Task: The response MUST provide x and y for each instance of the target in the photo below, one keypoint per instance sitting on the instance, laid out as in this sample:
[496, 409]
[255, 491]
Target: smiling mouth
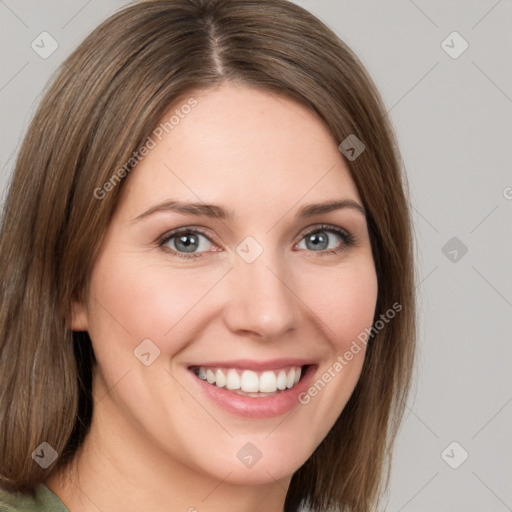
[251, 383]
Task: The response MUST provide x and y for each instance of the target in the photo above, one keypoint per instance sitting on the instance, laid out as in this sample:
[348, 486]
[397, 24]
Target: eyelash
[348, 240]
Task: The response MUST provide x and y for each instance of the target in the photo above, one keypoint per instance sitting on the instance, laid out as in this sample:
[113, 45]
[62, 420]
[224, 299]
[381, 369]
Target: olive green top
[43, 501]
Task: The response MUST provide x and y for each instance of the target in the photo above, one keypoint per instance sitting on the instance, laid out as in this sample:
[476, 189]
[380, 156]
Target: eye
[326, 240]
[186, 243]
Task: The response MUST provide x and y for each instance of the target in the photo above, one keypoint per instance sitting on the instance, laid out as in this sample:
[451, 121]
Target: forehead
[242, 147]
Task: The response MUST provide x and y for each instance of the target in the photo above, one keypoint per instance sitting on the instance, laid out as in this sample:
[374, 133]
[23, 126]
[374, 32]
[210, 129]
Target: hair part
[106, 99]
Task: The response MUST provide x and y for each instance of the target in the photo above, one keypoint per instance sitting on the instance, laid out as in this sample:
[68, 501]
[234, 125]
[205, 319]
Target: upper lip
[251, 364]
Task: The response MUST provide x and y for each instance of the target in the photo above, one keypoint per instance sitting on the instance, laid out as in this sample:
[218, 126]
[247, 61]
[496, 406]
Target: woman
[207, 277]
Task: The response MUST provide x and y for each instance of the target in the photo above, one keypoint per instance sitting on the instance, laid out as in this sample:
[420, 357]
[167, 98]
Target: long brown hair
[105, 101]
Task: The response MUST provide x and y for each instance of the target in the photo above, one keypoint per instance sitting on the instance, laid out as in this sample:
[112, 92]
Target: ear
[79, 318]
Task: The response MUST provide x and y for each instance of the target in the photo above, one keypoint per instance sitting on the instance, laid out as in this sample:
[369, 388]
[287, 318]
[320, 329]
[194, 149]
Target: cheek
[344, 299]
[132, 302]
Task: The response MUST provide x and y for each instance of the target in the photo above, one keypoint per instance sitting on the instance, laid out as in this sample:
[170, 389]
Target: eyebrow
[218, 212]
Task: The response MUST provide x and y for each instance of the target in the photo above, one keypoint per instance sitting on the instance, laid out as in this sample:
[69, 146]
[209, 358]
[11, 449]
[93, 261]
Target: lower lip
[257, 407]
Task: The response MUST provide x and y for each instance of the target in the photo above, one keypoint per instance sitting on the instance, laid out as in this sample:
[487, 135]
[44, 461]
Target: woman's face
[235, 292]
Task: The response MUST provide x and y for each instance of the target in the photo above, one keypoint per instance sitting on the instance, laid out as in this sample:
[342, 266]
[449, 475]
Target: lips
[247, 374]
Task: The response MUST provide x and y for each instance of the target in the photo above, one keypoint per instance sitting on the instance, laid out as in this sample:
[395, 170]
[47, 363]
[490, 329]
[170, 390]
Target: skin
[156, 442]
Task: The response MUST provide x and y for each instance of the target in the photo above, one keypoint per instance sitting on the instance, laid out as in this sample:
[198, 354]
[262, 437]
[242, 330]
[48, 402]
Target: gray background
[454, 124]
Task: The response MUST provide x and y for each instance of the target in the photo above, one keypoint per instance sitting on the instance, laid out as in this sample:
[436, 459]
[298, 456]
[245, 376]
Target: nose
[260, 300]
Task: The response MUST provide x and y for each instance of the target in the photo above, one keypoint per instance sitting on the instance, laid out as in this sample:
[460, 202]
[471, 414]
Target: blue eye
[326, 240]
[186, 242]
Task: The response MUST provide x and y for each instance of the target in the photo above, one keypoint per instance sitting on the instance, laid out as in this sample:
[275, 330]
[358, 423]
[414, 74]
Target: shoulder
[42, 501]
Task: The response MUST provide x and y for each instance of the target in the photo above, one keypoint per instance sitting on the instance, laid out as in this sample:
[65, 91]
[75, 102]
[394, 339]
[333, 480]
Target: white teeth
[281, 380]
[268, 382]
[233, 380]
[291, 378]
[220, 379]
[249, 381]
